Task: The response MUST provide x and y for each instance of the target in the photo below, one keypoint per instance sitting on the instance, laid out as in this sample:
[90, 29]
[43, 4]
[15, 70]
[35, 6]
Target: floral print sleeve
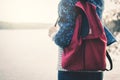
[67, 14]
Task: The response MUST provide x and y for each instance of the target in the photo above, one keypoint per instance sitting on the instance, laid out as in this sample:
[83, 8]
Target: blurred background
[26, 51]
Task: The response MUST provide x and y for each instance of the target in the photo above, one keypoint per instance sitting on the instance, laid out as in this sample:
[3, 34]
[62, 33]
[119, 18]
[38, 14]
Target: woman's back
[67, 14]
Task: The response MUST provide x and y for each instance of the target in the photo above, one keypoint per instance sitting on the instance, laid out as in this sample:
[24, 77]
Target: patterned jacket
[67, 14]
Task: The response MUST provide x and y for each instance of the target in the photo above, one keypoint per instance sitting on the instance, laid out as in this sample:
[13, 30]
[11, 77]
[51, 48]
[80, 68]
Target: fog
[44, 11]
[27, 55]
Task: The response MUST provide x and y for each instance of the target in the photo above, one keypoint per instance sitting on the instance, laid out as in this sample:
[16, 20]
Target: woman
[67, 14]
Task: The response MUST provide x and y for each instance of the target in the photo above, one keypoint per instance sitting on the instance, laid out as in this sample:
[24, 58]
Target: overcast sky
[44, 11]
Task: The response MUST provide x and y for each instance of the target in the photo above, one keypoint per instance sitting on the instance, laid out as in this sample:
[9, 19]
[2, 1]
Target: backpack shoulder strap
[110, 61]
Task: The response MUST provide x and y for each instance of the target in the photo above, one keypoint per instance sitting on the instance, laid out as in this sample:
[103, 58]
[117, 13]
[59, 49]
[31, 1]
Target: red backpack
[87, 53]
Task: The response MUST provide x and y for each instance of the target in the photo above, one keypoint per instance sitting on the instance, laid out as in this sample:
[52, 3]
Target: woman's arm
[67, 14]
